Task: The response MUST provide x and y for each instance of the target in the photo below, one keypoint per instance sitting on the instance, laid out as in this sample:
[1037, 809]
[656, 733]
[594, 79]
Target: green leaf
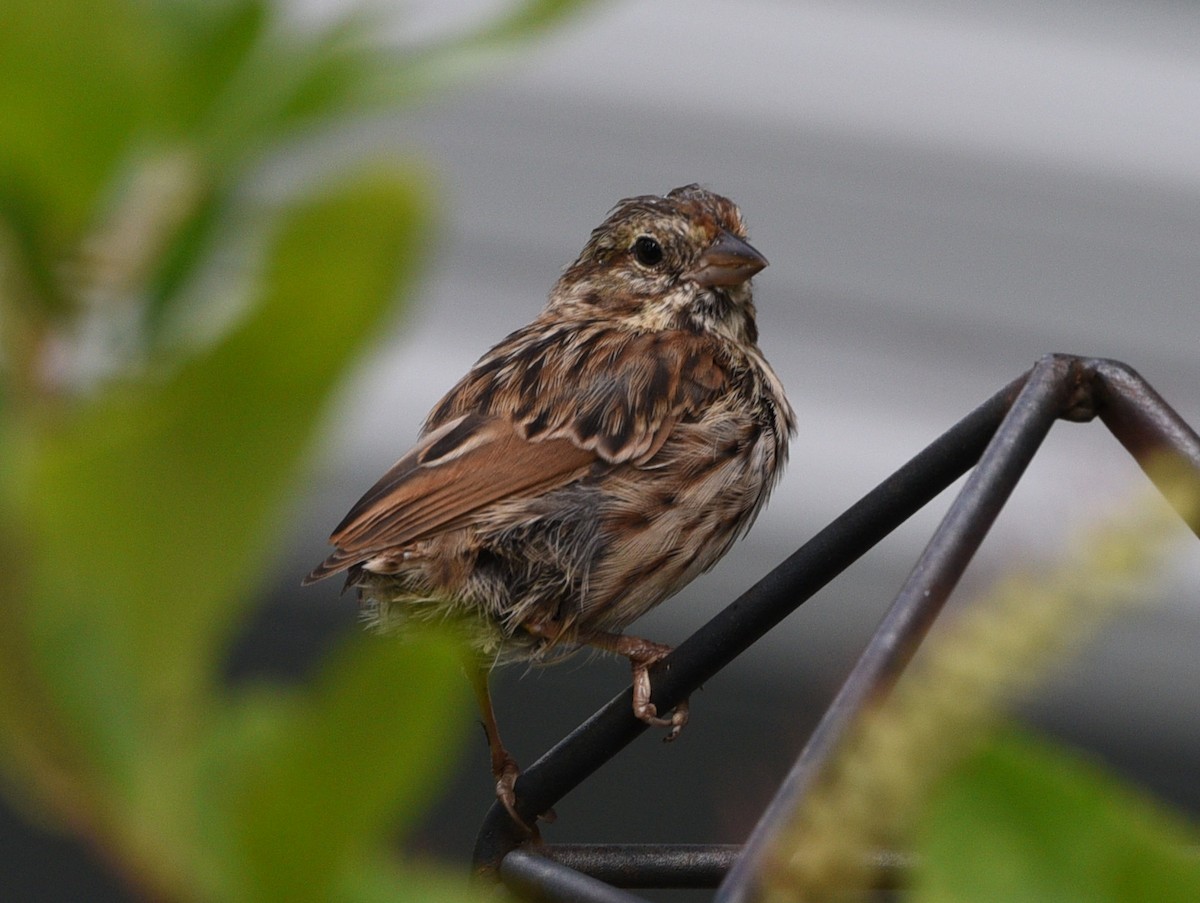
[153, 510]
[77, 79]
[312, 798]
[289, 79]
[211, 41]
[529, 17]
[1026, 821]
[380, 879]
[433, 65]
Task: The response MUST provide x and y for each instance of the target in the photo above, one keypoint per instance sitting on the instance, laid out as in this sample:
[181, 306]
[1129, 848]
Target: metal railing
[998, 439]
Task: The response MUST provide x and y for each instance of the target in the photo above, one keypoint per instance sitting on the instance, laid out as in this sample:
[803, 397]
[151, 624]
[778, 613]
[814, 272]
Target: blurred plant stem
[168, 342]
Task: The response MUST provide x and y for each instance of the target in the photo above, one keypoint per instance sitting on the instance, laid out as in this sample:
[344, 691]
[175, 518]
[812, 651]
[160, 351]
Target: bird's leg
[504, 767]
[641, 654]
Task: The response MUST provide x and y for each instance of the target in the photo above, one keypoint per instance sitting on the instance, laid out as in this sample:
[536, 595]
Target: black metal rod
[536, 878]
[744, 621]
[918, 603]
[1145, 424]
[683, 866]
[655, 865]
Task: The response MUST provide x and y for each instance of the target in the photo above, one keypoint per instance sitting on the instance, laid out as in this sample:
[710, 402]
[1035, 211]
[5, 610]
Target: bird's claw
[645, 710]
[506, 782]
[679, 717]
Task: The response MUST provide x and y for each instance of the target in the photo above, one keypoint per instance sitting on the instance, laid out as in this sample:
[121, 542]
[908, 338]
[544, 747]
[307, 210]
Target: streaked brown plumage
[593, 462]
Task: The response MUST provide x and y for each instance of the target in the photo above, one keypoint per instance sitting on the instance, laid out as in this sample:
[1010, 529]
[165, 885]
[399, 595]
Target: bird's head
[678, 261]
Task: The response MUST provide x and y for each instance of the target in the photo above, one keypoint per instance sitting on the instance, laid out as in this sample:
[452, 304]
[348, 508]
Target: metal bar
[536, 878]
[647, 864]
[745, 620]
[681, 866]
[1145, 424]
[918, 603]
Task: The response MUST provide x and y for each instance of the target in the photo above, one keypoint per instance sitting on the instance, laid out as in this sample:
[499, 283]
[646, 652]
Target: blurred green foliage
[1023, 821]
[169, 335]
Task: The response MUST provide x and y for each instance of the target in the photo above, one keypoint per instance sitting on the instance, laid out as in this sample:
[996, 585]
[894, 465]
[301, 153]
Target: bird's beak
[728, 261]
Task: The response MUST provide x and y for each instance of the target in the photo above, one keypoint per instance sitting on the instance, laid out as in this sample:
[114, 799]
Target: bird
[590, 464]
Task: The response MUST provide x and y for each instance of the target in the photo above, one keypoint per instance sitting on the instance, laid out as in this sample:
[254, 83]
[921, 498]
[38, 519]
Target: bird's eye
[647, 251]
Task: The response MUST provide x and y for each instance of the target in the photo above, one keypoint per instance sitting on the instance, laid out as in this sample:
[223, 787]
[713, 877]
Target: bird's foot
[642, 654]
[506, 782]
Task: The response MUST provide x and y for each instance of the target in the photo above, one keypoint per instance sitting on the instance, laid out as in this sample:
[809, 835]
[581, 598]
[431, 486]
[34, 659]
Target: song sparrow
[589, 465]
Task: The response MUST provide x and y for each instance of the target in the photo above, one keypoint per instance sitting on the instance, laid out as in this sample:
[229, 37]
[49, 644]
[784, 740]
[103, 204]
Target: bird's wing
[614, 392]
[467, 464]
[499, 434]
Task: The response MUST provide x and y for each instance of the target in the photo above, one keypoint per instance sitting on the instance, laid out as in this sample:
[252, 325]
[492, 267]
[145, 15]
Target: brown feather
[425, 494]
[622, 403]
